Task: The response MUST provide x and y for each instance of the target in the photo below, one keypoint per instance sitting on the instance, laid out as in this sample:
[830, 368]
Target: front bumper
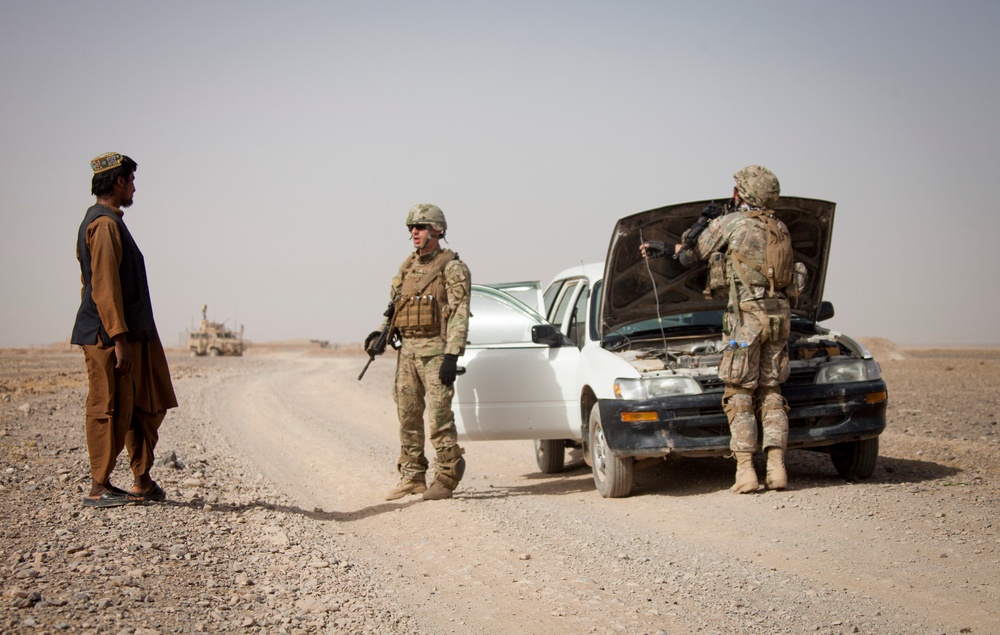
[695, 425]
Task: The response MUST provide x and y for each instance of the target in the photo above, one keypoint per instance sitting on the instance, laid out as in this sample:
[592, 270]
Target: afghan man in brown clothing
[130, 389]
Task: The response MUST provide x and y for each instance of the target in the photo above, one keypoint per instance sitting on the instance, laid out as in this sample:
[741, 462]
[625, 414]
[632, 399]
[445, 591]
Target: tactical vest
[422, 308]
[134, 287]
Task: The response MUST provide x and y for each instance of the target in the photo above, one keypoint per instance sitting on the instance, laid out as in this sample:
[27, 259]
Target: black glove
[653, 248]
[449, 369]
[371, 340]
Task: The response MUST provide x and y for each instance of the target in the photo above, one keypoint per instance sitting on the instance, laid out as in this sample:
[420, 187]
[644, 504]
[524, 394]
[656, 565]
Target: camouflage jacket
[457, 281]
[734, 230]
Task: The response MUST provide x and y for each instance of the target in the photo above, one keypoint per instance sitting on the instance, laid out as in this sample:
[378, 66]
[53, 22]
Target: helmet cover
[758, 186]
[427, 214]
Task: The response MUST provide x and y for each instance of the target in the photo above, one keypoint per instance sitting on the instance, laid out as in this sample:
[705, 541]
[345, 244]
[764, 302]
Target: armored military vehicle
[214, 338]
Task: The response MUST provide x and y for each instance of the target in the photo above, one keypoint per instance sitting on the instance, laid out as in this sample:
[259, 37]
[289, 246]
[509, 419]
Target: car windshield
[680, 323]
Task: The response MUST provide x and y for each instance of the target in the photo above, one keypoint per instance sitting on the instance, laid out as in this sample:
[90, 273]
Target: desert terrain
[275, 465]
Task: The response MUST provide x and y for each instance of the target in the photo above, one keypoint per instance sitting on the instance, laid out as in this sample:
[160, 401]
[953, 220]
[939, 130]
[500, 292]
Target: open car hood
[630, 280]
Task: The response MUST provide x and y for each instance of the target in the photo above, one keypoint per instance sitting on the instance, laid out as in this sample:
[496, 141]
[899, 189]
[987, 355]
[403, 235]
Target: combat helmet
[427, 214]
[758, 186]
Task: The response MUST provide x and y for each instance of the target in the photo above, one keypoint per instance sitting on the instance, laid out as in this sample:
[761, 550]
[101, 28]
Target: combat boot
[438, 491]
[407, 486]
[777, 477]
[746, 476]
[449, 467]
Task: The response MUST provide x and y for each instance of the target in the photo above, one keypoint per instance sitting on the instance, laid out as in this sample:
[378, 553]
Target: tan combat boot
[777, 477]
[438, 491]
[449, 466]
[746, 476]
[407, 486]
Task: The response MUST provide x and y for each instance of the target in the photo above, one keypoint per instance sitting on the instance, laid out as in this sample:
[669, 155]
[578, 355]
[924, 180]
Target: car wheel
[855, 459]
[612, 475]
[214, 352]
[550, 454]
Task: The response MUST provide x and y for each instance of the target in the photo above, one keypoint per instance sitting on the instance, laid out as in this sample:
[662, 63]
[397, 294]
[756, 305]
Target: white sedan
[621, 359]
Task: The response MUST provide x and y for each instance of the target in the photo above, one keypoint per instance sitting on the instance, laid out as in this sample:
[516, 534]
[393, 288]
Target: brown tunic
[122, 411]
[150, 373]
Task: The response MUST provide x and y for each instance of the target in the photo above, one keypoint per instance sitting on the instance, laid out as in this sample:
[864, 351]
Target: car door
[512, 387]
[569, 310]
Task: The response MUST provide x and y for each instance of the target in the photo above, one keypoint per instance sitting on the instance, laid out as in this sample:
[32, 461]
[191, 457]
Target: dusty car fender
[599, 369]
[595, 379]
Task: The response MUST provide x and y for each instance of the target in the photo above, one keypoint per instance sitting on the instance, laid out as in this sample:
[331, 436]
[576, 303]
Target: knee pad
[773, 401]
[774, 420]
[736, 403]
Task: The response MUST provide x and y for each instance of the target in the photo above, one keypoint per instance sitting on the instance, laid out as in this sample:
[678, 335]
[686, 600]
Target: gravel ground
[252, 541]
[226, 553]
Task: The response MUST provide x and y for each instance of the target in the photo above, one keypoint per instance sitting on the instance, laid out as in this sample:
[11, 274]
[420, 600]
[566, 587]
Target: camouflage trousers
[753, 370]
[417, 388]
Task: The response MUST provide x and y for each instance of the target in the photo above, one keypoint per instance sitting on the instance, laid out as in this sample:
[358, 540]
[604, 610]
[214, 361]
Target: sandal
[154, 494]
[109, 498]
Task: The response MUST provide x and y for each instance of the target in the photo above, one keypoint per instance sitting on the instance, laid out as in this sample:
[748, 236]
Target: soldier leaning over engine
[760, 277]
[430, 296]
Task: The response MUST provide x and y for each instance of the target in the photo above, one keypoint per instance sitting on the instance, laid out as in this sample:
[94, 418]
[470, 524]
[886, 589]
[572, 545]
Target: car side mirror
[825, 311]
[549, 335]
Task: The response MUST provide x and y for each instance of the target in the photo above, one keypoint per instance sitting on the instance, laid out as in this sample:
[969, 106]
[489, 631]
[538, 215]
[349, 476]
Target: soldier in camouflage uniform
[757, 322]
[431, 298]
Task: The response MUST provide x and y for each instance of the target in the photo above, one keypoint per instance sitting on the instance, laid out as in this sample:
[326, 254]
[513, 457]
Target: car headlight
[652, 387]
[850, 370]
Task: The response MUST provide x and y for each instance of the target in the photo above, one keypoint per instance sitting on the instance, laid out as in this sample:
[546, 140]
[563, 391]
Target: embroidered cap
[105, 162]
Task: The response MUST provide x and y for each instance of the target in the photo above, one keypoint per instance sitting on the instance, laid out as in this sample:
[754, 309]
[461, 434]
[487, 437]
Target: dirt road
[914, 550]
[517, 551]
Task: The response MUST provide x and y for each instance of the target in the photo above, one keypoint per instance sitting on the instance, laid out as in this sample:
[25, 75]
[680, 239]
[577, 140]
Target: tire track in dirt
[517, 551]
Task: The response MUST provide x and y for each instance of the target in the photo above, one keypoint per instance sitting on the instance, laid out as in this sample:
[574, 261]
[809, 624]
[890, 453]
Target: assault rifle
[657, 248]
[712, 211]
[386, 336]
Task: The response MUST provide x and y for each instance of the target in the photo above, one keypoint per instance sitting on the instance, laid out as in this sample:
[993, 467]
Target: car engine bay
[695, 356]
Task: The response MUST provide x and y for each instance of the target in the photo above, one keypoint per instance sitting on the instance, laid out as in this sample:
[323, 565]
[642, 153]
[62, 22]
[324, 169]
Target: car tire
[550, 455]
[214, 352]
[855, 459]
[612, 475]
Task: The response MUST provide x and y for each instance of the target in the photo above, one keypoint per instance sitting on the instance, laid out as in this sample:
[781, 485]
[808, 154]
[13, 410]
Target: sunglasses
[419, 228]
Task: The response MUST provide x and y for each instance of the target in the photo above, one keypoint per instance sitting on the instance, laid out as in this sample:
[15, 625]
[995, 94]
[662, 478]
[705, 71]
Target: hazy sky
[281, 144]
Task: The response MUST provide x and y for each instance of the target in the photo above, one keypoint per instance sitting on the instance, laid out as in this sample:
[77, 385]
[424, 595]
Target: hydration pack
[778, 269]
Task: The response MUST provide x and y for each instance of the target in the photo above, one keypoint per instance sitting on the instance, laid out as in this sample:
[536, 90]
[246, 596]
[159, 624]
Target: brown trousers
[113, 420]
